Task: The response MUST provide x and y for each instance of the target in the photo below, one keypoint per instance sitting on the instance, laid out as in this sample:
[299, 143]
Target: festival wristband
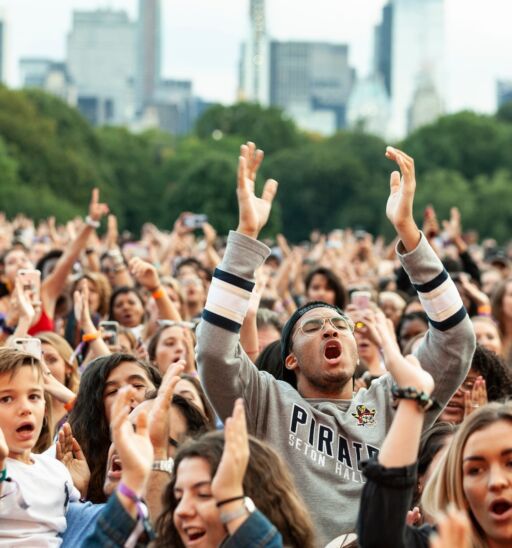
[3, 475]
[142, 516]
[484, 310]
[89, 221]
[227, 501]
[88, 337]
[158, 293]
[70, 405]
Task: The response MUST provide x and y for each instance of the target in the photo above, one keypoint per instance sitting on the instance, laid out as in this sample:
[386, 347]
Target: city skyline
[198, 30]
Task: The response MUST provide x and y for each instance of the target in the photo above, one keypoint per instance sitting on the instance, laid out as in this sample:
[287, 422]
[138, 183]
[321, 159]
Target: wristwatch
[247, 507]
[164, 465]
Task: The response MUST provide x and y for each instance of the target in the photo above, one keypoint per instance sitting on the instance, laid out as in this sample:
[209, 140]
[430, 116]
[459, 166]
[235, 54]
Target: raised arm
[53, 284]
[226, 371]
[387, 494]
[448, 346]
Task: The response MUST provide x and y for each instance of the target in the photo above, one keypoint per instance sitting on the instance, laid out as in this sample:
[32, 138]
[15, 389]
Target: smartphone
[109, 331]
[136, 250]
[195, 220]
[361, 299]
[31, 282]
[28, 345]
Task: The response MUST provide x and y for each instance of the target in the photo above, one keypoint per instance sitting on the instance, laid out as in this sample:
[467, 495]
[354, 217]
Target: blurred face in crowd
[128, 309]
[196, 517]
[188, 391]
[487, 334]
[21, 409]
[55, 362]
[172, 346]
[319, 290]
[410, 329]
[16, 260]
[392, 308]
[267, 334]
[490, 279]
[193, 288]
[366, 349]
[454, 411]
[126, 374]
[107, 267]
[173, 295]
[323, 360]
[37, 251]
[487, 480]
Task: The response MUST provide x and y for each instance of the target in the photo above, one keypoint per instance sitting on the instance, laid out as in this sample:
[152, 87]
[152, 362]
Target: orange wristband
[484, 310]
[70, 404]
[158, 293]
[88, 337]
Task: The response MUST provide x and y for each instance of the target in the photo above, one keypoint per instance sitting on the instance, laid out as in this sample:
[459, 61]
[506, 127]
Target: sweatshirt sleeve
[226, 371]
[447, 349]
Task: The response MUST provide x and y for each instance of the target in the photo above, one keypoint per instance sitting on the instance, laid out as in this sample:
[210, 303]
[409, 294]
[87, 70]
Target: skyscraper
[503, 91]
[101, 62]
[149, 52]
[383, 47]
[311, 81]
[417, 53]
[254, 66]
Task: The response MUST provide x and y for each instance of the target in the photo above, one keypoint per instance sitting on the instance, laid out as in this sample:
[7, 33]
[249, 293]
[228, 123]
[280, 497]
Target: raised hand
[454, 529]
[96, 209]
[229, 478]
[399, 208]
[253, 211]
[69, 452]
[406, 371]
[81, 308]
[134, 448]
[159, 421]
[476, 398]
[145, 273]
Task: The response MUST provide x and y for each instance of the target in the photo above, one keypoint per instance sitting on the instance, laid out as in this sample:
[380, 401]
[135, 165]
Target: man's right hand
[253, 211]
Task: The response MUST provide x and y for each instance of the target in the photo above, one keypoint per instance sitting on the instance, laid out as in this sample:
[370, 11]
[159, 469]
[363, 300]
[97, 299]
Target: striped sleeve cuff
[228, 300]
[441, 301]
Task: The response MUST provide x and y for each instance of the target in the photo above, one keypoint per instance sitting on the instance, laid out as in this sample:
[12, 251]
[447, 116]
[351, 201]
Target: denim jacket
[114, 526]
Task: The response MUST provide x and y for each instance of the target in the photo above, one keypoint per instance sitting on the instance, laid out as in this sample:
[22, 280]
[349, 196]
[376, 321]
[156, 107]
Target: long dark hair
[333, 282]
[88, 421]
[279, 501]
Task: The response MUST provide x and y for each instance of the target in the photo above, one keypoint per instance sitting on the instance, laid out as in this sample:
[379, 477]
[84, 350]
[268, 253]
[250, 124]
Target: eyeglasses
[313, 325]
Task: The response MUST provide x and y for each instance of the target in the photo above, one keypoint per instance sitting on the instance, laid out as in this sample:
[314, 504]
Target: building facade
[101, 62]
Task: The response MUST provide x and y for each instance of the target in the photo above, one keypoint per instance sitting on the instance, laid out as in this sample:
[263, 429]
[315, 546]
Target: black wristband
[227, 501]
[424, 401]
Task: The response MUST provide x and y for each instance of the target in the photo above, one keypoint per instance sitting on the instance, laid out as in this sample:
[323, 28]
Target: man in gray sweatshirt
[322, 429]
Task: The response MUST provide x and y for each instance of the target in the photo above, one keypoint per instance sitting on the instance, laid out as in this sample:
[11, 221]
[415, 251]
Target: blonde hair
[12, 359]
[446, 483]
[66, 353]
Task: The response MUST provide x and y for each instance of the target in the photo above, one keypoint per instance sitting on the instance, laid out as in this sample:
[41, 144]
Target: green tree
[269, 128]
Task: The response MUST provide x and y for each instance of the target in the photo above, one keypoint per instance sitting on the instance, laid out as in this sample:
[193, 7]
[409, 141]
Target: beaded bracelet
[424, 401]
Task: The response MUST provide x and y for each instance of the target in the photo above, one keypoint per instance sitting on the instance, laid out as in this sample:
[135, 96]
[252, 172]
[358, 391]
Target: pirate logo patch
[364, 415]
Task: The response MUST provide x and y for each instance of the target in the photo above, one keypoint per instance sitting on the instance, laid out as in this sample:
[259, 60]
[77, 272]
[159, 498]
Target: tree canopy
[51, 157]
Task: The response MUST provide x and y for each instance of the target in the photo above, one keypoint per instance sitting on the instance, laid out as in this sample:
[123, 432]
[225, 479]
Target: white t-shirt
[47, 488]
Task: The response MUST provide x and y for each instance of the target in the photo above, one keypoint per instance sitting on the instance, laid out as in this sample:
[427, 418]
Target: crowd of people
[190, 389]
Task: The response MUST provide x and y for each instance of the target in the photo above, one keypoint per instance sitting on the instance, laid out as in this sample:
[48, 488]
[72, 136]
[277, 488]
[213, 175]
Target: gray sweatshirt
[324, 441]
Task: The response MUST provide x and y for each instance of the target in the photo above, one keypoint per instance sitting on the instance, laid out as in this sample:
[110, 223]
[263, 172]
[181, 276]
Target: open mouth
[25, 431]
[116, 469]
[332, 350]
[194, 534]
[500, 507]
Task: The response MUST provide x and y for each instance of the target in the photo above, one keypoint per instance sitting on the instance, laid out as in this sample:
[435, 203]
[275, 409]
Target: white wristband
[89, 221]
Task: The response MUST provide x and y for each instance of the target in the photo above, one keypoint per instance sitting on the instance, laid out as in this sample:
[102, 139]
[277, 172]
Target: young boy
[34, 489]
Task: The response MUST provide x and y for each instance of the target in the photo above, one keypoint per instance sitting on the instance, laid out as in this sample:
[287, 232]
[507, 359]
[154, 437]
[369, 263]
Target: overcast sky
[202, 38]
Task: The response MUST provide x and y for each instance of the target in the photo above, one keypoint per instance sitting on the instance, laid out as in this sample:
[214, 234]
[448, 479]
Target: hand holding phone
[109, 332]
[31, 284]
[28, 345]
